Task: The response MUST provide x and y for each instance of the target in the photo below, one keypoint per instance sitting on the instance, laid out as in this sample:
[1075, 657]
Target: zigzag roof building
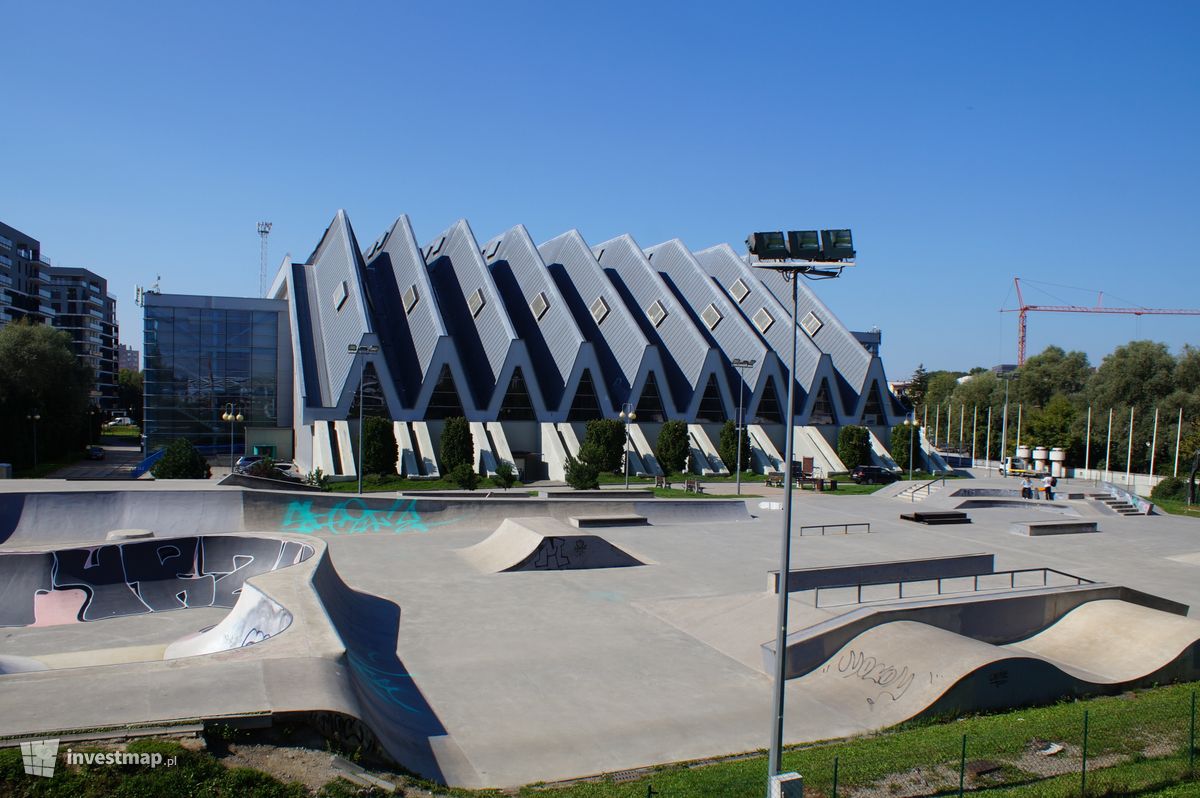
[529, 342]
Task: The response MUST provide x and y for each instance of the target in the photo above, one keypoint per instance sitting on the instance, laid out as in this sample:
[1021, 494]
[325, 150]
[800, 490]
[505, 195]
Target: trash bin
[833, 484]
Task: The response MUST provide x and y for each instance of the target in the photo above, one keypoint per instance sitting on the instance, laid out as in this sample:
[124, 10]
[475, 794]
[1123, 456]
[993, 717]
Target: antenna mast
[264, 230]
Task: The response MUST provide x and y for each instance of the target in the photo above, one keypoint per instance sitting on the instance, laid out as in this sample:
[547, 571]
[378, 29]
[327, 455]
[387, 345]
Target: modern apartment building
[24, 278]
[83, 308]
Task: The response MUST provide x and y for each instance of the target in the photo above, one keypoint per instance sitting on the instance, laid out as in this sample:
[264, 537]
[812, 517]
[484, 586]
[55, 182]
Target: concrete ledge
[596, 494]
[1039, 528]
[884, 572]
[589, 521]
[934, 518]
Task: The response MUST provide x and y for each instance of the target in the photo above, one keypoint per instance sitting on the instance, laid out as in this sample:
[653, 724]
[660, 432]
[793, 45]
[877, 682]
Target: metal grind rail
[941, 588]
[927, 487]
[847, 529]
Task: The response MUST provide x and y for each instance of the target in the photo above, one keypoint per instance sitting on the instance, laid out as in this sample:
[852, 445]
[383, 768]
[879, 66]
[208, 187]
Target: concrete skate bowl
[543, 544]
[901, 670]
[93, 584]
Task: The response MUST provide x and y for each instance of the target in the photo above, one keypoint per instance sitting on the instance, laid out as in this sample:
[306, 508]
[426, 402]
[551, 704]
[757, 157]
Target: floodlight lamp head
[837, 245]
[804, 245]
[767, 246]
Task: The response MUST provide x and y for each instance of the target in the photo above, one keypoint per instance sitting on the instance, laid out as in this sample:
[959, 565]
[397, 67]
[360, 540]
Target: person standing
[1048, 487]
[1026, 488]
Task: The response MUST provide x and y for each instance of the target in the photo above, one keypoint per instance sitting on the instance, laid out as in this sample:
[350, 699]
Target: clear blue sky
[964, 143]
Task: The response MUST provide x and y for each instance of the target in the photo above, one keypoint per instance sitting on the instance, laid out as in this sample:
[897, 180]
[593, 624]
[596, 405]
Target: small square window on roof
[410, 298]
[435, 248]
[656, 313]
[475, 302]
[340, 294]
[763, 320]
[739, 290]
[811, 323]
[599, 310]
[711, 316]
[539, 305]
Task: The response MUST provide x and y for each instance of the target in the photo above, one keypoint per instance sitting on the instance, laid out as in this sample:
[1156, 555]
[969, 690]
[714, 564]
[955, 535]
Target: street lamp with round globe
[627, 416]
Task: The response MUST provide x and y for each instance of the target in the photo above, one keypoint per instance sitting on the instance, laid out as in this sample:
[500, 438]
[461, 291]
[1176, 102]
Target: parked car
[871, 475]
[245, 462]
[95, 453]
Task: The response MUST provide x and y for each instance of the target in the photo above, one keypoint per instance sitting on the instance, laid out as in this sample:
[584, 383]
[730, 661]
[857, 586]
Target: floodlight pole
[775, 756]
[741, 366]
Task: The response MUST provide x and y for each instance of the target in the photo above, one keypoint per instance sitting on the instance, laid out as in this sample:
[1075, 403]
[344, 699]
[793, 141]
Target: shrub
[464, 476]
[379, 446]
[181, 461]
[505, 476]
[854, 446]
[1171, 488]
[317, 478]
[673, 447]
[582, 475]
[728, 447]
[607, 437]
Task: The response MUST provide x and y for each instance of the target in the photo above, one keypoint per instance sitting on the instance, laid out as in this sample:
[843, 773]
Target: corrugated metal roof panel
[640, 286]
[550, 335]
[620, 345]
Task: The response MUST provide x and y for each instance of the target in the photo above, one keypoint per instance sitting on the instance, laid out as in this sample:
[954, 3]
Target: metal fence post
[1192, 738]
[962, 767]
[1083, 770]
[835, 773]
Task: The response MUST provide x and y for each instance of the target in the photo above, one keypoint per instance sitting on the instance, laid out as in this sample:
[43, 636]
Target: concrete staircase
[1119, 506]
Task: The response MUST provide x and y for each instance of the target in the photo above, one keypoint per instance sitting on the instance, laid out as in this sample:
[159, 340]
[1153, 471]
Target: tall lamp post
[741, 366]
[35, 417]
[912, 427]
[627, 415]
[356, 350]
[232, 413]
[792, 256]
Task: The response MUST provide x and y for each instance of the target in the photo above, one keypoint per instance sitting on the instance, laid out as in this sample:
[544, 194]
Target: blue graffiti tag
[389, 686]
[354, 517]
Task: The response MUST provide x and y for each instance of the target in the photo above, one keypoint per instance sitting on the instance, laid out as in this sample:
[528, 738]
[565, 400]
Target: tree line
[1053, 392]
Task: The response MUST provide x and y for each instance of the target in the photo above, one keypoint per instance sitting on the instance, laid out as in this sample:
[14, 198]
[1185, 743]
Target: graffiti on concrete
[354, 517]
[390, 686]
[118, 579]
[894, 682]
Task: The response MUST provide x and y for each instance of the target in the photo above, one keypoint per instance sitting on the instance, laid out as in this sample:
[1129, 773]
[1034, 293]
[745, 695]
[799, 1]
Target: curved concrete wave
[900, 670]
[543, 544]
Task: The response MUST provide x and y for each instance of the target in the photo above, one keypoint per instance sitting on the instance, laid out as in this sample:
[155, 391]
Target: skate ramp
[543, 544]
[900, 670]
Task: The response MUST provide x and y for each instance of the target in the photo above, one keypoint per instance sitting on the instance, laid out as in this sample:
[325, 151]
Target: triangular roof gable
[877, 381]
[586, 361]
[472, 308]
[714, 368]
[537, 309]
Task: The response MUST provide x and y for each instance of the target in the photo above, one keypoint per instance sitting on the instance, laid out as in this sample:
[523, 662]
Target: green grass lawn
[122, 432]
[373, 484]
[1176, 507]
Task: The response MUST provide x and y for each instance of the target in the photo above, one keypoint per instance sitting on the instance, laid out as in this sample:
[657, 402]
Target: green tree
[40, 375]
[1051, 372]
[854, 446]
[673, 446]
[1138, 373]
[900, 448]
[379, 446]
[1053, 425]
[457, 445]
[607, 437]
[727, 447]
[918, 384]
[130, 393]
[181, 461]
[941, 386]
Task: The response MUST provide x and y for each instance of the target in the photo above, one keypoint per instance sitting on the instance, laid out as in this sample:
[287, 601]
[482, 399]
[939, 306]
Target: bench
[1038, 528]
[774, 479]
[662, 482]
[589, 521]
[936, 518]
[692, 486]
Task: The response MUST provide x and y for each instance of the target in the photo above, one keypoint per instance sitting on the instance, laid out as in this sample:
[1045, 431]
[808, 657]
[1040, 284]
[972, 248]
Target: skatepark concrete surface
[492, 670]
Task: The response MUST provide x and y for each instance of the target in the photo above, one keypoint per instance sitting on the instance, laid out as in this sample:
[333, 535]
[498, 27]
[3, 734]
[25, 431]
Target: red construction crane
[1023, 309]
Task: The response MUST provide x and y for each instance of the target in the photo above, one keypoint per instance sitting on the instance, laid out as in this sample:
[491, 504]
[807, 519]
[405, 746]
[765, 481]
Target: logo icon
[39, 757]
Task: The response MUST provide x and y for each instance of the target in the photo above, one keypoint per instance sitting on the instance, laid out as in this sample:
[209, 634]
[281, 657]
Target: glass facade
[198, 361]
